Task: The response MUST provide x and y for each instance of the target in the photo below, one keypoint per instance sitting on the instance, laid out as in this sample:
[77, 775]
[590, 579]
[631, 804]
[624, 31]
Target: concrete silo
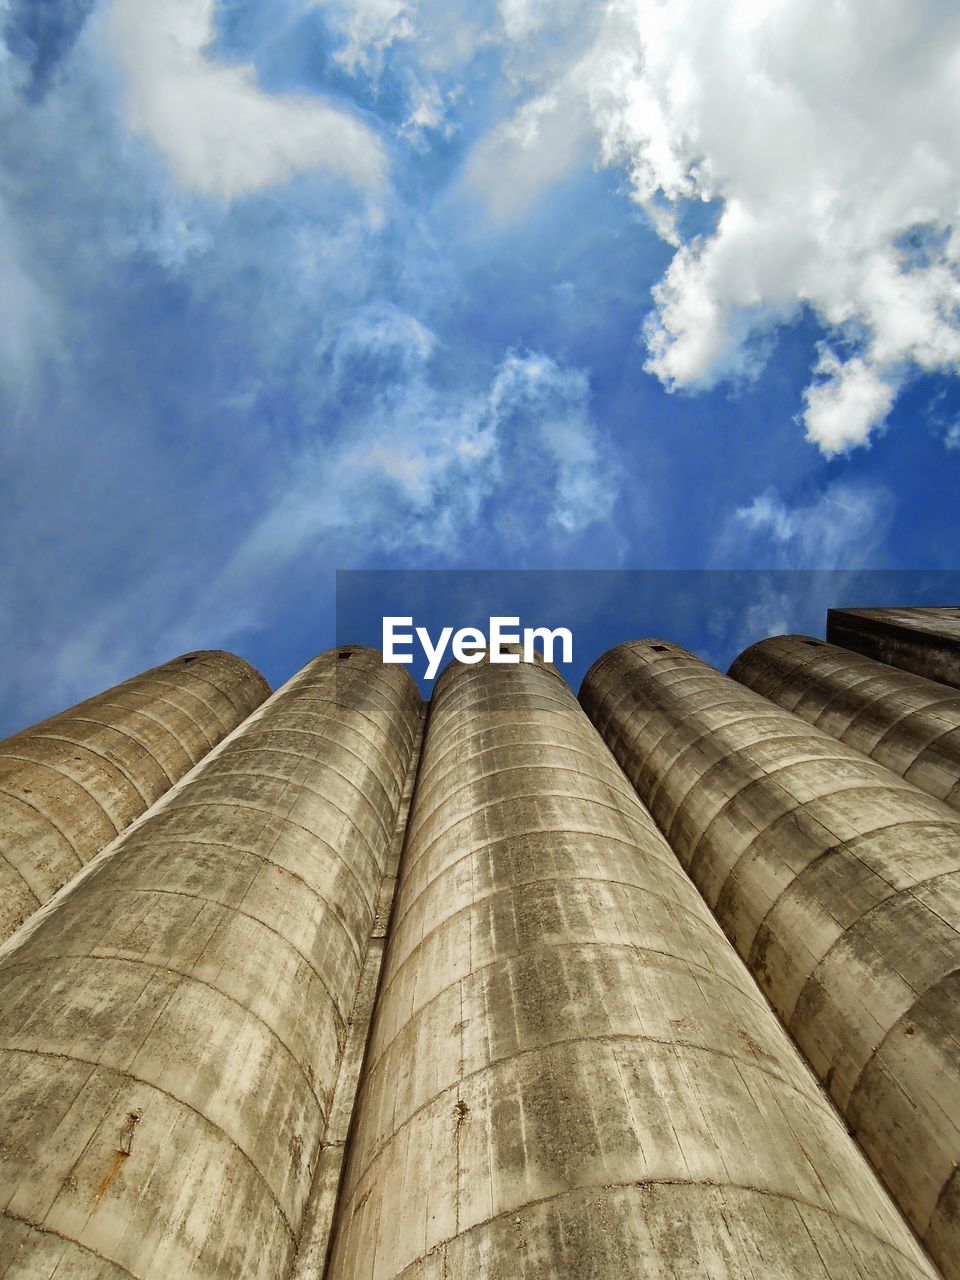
[908, 723]
[571, 1073]
[71, 784]
[924, 640]
[173, 1025]
[839, 884]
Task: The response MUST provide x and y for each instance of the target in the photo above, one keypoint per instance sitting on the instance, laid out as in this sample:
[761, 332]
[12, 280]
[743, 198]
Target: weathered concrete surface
[71, 784]
[925, 641]
[314, 1244]
[903, 721]
[171, 1027]
[571, 1073]
[837, 881]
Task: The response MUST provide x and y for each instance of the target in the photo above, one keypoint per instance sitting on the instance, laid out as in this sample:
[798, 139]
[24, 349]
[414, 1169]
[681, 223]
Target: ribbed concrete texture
[314, 1244]
[836, 880]
[903, 721]
[71, 784]
[172, 1027]
[925, 641]
[571, 1074]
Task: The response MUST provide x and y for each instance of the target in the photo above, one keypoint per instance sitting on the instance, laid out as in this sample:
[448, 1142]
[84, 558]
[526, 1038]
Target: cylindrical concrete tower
[171, 1028]
[910, 724]
[837, 881]
[71, 784]
[571, 1073]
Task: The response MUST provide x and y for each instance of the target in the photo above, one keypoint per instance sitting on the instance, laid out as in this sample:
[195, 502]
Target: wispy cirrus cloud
[843, 525]
[425, 476]
[454, 473]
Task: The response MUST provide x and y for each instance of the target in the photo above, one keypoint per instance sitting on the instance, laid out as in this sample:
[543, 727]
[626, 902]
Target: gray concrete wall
[171, 1027]
[837, 881]
[571, 1073]
[71, 784]
[925, 641]
[903, 721]
[313, 1250]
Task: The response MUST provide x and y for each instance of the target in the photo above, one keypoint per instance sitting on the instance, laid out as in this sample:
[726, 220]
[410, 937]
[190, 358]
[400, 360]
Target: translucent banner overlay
[714, 613]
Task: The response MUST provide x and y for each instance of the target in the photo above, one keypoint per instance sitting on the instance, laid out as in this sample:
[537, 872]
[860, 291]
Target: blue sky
[289, 286]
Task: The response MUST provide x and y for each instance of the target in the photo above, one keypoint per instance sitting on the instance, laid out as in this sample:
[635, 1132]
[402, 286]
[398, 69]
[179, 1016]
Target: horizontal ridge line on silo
[753, 993]
[44, 818]
[16, 870]
[155, 698]
[191, 897]
[907, 1015]
[473, 734]
[196, 678]
[97, 755]
[848, 846]
[198, 675]
[267, 813]
[816, 1094]
[302, 786]
[553, 795]
[248, 853]
[186, 978]
[149, 1084]
[611, 779]
[539, 880]
[894, 783]
[539, 831]
[640, 953]
[61, 773]
[162, 724]
[40, 1229]
[323, 737]
[65, 719]
[652, 1184]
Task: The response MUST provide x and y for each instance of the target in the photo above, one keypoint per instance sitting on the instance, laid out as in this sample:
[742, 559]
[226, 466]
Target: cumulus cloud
[842, 526]
[852, 399]
[827, 138]
[220, 132]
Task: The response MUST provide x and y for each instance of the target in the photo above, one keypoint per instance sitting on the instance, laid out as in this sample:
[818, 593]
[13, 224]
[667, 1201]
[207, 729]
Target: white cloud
[221, 134]
[378, 330]
[951, 437]
[545, 138]
[368, 27]
[829, 137]
[553, 403]
[844, 525]
[415, 473]
[770, 615]
[437, 456]
[853, 399]
[522, 18]
[426, 109]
